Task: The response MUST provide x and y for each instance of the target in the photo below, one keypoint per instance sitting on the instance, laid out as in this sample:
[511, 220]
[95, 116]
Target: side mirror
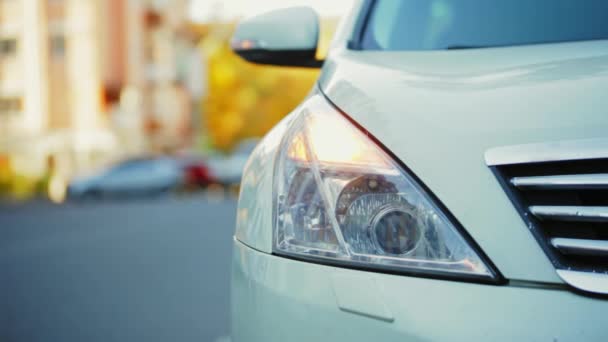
[285, 37]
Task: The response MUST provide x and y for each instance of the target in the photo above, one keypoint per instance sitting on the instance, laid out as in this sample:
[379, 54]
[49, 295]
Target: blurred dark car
[134, 177]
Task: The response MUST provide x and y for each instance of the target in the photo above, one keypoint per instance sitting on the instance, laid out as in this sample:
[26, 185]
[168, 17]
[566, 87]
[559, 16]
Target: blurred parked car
[134, 177]
[196, 172]
[446, 180]
[228, 170]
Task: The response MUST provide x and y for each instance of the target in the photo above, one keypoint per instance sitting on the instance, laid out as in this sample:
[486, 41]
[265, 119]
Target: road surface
[140, 270]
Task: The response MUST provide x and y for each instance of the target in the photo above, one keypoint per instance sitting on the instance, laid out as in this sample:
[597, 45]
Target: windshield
[457, 24]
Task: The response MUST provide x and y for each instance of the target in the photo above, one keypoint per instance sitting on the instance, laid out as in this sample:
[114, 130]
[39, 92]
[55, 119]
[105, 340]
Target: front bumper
[279, 299]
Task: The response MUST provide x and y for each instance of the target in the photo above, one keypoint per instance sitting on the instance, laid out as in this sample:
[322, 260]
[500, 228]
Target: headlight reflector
[341, 198]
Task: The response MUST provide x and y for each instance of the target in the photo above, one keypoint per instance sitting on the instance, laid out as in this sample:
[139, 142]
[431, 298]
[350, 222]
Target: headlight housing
[341, 199]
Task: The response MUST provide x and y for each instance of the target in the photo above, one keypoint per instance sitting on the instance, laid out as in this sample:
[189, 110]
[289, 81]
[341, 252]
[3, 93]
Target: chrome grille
[577, 247]
[565, 204]
[569, 212]
[574, 182]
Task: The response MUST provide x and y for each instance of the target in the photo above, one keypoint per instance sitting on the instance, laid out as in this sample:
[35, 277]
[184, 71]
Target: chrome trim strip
[570, 213]
[588, 181]
[586, 281]
[581, 246]
[551, 151]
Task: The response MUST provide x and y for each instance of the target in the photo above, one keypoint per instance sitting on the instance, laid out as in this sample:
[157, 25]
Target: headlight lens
[341, 199]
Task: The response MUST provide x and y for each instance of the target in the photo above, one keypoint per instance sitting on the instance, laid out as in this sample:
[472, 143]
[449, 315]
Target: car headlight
[341, 199]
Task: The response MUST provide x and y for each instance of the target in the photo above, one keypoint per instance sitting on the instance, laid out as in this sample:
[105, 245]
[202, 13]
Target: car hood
[440, 111]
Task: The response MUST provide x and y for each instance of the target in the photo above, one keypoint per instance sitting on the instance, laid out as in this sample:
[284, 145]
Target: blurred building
[82, 80]
[51, 84]
[174, 76]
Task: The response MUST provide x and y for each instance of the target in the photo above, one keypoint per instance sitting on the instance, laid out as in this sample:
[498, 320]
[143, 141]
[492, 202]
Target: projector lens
[395, 231]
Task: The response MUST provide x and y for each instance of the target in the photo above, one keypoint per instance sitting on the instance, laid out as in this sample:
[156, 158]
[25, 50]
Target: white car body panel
[278, 299]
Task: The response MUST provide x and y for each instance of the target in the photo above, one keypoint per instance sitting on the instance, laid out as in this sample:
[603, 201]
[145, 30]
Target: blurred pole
[84, 73]
[35, 66]
[135, 43]
[133, 94]
[83, 63]
[195, 81]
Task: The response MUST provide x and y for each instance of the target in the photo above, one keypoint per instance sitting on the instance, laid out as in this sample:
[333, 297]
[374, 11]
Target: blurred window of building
[57, 46]
[8, 47]
[10, 105]
[55, 2]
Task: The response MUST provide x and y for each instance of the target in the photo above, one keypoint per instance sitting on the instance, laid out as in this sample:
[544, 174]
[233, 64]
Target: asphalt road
[144, 270]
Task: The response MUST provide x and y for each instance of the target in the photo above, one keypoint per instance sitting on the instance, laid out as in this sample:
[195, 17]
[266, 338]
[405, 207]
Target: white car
[446, 180]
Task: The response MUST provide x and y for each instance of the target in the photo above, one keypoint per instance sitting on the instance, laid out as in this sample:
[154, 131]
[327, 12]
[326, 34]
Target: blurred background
[124, 129]
[89, 85]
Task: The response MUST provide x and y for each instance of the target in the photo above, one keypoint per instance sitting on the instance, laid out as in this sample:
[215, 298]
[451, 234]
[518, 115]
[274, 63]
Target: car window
[126, 167]
[457, 24]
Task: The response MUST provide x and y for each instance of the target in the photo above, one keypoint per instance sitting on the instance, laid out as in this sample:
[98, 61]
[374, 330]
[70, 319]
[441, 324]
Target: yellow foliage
[246, 100]
[15, 185]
